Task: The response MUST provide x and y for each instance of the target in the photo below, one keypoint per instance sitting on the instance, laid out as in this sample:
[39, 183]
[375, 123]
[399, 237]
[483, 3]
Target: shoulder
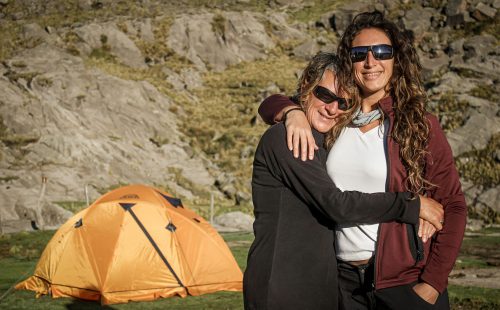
[274, 138]
[433, 120]
[434, 126]
[437, 142]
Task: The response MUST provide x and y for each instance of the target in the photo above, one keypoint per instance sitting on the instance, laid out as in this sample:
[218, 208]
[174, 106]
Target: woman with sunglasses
[386, 140]
[291, 263]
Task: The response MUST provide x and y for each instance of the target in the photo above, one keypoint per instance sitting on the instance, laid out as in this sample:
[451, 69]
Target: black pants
[356, 292]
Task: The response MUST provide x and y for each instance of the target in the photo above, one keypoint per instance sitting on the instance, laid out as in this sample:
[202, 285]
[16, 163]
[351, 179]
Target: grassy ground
[17, 267]
[19, 254]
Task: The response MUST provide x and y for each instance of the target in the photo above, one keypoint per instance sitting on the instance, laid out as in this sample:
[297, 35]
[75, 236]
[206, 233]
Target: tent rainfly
[134, 243]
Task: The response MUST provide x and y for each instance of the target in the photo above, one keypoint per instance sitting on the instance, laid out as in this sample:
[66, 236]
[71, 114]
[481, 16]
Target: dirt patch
[480, 277]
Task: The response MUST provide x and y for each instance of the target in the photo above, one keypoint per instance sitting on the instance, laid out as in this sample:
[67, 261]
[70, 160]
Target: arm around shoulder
[272, 107]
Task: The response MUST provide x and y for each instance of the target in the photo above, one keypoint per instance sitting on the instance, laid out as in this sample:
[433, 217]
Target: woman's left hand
[426, 292]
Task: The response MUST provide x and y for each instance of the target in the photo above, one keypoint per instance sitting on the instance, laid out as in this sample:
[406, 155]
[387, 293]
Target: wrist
[285, 114]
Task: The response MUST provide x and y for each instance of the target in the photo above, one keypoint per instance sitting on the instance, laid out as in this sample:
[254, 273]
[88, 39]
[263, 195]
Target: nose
[332, 108]
[370, 60]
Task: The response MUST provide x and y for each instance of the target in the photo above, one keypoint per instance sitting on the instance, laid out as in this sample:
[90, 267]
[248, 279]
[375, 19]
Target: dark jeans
[356, 292]
[356, 286]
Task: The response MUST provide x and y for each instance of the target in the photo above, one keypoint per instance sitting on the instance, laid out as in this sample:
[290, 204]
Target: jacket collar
[385, 105]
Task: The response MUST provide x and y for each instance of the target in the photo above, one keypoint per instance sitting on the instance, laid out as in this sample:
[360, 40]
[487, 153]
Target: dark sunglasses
[325, 95]
[379, 51]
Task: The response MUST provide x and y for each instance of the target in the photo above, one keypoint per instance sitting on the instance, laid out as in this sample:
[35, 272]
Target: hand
[425, 230]
[432, 211]
[299, 135]
[426, 292]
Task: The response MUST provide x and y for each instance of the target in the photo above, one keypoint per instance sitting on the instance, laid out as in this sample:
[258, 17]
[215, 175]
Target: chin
[323, 128]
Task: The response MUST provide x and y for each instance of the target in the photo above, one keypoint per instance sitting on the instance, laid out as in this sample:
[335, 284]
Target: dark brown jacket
[401, 257]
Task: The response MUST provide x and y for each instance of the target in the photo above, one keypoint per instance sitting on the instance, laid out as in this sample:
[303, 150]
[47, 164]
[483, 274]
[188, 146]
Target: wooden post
[87, 195]
[211, 208]
[39, 218]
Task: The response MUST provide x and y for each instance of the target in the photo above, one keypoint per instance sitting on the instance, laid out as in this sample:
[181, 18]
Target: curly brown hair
[411, 127]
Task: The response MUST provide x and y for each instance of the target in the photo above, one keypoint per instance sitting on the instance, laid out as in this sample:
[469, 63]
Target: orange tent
[135, 243]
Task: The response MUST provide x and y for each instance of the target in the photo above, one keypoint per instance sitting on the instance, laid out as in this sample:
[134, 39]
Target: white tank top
[357, 162]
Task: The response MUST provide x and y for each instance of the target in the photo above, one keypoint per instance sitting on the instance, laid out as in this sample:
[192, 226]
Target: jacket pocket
[416, 244]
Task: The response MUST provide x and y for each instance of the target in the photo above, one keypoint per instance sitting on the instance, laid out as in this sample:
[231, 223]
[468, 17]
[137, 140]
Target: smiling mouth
[329, 118]
[371, 75]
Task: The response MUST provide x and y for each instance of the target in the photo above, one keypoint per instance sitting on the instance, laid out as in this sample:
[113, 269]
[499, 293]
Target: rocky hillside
[99, 93]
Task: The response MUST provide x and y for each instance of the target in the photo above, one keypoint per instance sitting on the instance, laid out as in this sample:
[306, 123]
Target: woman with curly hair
[386, 141]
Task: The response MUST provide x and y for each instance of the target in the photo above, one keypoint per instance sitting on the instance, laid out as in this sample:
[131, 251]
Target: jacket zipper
[387, 187]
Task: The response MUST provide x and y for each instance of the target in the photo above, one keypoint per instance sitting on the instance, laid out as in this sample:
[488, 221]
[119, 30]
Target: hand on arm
[299, 134]
[425, 230]
[431, 211]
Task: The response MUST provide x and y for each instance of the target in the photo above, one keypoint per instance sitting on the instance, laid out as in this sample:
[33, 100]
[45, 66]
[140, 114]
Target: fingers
[296, 143]
[299, 136]
[427, 230]
[432, 211]
[304, 144]
[289, 140]
[311, 145]
[420, 224]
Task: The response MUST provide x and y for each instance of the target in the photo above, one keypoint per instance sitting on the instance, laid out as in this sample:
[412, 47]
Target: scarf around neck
[361, 119]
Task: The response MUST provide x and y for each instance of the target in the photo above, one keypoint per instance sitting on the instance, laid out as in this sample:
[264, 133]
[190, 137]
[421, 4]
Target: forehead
[329, 80]
[371, 36]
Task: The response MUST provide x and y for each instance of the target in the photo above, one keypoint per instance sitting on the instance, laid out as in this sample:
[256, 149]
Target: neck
[370, 101]
[368, 105]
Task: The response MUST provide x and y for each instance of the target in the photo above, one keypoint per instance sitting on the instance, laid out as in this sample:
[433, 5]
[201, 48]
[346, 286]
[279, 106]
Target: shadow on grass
[77, 304]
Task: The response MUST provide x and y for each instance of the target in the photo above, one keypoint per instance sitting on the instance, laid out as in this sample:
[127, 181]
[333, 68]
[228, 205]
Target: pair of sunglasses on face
[379, 51]
[327, 96]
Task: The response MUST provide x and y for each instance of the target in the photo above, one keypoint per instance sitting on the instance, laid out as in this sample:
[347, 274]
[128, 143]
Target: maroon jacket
[400, 255]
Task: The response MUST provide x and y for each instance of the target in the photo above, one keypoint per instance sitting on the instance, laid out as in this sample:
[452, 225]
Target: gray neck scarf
[361, 119]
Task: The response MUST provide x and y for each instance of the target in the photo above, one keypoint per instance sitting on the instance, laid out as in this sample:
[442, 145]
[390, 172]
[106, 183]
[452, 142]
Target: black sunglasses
[379, 51]
[325, 95]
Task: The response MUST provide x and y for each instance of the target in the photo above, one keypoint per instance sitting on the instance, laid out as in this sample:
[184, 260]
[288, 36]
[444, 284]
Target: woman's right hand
[425, 230]
[299, 135]
[432, 211]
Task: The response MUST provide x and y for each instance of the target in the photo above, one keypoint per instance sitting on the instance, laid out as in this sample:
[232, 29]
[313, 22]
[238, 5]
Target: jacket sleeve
[272, 106]
[442, 172]
[311, 183]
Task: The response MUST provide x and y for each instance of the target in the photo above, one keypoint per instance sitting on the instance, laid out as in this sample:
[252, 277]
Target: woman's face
[321, 115]
[371, 75]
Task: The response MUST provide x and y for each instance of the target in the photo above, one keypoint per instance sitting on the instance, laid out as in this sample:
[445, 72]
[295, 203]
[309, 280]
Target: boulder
[450, 82]
[307, 49]
[475, 134]
[235, 220]
[418, 21]
[188, 79]
[219, 40]
[242, 198]
[484, 12]
[433, 66]
[110, 39]
[491, 199]
[346, 11]
[455, 12]
[479, 46]
[33, 33]
[282, 30]
[474, 224]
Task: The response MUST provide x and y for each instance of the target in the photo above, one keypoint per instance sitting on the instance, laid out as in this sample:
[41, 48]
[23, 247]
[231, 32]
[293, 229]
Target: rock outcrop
[67, 124]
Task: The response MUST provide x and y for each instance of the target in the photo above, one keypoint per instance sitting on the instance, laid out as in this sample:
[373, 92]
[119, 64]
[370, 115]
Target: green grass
[464, 297]
[15, 268]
